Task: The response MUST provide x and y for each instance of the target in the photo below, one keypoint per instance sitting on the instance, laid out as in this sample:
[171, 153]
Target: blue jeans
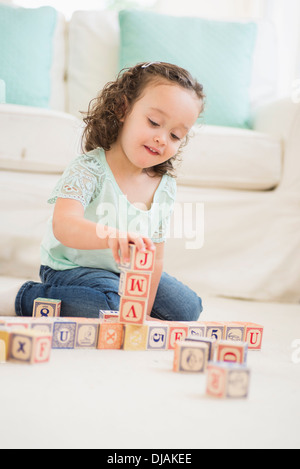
[84, 291]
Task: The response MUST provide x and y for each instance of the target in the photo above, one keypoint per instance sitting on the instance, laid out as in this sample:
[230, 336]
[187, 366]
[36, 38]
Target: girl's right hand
[119, 242]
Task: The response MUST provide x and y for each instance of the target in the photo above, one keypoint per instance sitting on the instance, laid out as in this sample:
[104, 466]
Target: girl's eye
[174, 137]
[155, 124]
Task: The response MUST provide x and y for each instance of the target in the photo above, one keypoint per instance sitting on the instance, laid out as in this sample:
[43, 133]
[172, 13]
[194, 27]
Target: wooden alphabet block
[133, 310]
[215, 330]
[135, 337]
[197, 329]
[42, 324]
[139, 261]
[206, 340]
[157, 336]
[190, 356]
[177, 331]
[87, 332]
[254, 335]
[4, 343]
[134, 284]
[19, 322]
[227, 380]
[109, 315]
[64, 334]
[29, 346]
[46, 308]
[235, 331]
[110, 335]
[231, 351]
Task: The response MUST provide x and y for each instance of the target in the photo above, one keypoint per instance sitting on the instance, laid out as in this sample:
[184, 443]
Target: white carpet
[118, 399]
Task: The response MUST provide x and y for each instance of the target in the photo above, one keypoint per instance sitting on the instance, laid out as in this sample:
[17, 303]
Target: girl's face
[157, 124]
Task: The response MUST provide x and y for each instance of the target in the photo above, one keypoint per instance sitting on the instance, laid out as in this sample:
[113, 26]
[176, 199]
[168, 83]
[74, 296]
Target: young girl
[120, 191]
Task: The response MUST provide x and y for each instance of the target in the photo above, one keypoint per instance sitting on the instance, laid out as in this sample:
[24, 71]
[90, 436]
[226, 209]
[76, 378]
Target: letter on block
[134, 284]
[254, 335]
[86, 333]
[157, 336]
[110, 336]
[215, 330]
[227, 380]
[46, 308]
[28, 346]
[190, 356]
[132, 310]
[139, 261]
[235, 332]
[230, 351]
[64, 333]
[177, 332]
[197, 329]
[135, 337]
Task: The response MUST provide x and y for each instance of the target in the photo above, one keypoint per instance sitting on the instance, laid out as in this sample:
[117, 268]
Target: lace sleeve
[81, 181]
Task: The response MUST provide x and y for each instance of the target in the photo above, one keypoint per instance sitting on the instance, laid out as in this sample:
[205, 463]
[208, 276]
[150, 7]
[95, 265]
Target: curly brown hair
[106, 111]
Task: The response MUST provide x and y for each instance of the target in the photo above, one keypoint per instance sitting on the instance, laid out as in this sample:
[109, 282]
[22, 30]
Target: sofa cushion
[58, 92]
[231, 158]
[26, 44]
[218, 53]
[47, 140]
[215, 156]
[93, 56]
[98, 32]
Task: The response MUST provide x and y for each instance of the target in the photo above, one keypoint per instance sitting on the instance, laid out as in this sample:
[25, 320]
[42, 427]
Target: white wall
[213, 8]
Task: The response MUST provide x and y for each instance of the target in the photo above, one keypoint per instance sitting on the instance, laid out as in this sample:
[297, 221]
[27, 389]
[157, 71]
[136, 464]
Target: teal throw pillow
[219, 54]
[26, 43]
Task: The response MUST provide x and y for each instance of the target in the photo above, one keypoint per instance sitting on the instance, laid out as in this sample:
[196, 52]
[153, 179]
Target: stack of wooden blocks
[134, 287]
[218, 349]
[134, 290]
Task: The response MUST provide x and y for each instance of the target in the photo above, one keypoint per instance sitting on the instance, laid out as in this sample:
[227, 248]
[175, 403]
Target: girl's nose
[160, 138]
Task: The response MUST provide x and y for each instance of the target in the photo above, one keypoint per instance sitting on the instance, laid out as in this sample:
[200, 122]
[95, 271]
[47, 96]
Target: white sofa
[243, 184]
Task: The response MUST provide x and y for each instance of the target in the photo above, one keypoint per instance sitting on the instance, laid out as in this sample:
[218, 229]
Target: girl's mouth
[152, 151]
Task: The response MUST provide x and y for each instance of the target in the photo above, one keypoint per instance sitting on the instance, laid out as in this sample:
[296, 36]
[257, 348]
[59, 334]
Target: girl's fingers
[149, 244]
[119, 242]
[124, 248]
[113, 244]
[141, 243]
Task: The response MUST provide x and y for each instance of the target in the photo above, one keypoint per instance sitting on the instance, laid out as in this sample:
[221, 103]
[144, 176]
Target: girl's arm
[156, 275]
[74, 231]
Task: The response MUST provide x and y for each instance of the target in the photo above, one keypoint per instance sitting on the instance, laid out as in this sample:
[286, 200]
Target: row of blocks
[69, 333]
[249, 332]
[32, 341]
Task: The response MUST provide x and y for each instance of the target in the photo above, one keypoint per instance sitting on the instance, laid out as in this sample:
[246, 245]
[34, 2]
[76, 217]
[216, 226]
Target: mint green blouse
[90, 180]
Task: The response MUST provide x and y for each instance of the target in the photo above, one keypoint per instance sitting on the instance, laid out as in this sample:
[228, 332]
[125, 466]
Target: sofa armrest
[282, 119]
[276, 118]
[37, 140]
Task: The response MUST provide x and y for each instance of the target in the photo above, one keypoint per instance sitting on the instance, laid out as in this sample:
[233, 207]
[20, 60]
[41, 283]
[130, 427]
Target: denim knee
[190, 310]
[176, 301]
